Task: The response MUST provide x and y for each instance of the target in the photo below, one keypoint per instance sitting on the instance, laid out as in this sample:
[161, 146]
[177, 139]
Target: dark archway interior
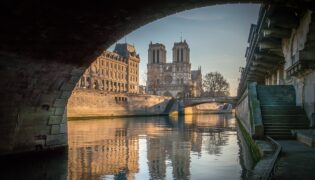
[45, 46]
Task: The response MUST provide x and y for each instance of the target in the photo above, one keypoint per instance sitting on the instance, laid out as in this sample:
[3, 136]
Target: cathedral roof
[195, 74]
[156, 45]
[181, 43]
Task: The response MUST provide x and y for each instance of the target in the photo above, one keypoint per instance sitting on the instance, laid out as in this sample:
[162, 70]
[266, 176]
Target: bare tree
[215, 85]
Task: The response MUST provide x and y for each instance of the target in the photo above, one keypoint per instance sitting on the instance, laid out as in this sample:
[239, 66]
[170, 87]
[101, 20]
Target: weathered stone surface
[63, 128]
[54, 120]
[60, 103]
[59, 111]
[64, 119]
[55, 129]
[65, 94]
[58, 139]
[94, 103]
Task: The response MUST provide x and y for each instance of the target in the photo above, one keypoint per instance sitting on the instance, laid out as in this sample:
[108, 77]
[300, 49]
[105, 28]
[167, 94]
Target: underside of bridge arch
[45, 46]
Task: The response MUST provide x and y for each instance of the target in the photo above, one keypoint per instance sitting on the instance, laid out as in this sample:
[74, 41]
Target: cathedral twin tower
[172, 79]
[157, 53]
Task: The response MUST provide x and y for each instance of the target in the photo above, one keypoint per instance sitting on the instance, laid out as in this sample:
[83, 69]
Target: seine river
[191, 147]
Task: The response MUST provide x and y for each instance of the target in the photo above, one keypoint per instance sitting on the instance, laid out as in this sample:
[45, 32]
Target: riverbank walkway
[296, 161]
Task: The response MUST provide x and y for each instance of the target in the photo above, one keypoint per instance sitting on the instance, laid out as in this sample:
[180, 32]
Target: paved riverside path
[297, 161]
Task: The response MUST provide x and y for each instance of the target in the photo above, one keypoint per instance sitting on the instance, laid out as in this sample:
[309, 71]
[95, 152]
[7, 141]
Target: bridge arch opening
[46, 47]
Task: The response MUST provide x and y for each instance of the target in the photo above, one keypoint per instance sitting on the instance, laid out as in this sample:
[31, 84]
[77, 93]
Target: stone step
[276, 94]
[278, 136]
[267, 102]
[306, 136]
[309, 45]
[285, 118]
[278, 131]
[285, 110]
[307, 55]
[286, 126]
[274, 133]
[311, 36]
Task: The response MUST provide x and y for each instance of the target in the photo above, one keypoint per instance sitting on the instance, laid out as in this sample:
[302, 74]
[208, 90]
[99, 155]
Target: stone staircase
[169, 106]
[279, 112]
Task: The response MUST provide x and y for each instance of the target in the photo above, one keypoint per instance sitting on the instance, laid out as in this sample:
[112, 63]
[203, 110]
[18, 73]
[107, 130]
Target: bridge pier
[33, 103]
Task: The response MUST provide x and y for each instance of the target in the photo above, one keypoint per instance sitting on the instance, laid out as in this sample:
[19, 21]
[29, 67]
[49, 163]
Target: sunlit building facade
[116, 71]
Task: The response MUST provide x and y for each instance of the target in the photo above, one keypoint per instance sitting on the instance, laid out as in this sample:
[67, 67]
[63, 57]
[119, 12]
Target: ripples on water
[190, 147]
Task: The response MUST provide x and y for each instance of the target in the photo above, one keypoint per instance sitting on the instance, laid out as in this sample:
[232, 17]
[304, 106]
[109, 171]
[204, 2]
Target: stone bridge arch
[44, 49]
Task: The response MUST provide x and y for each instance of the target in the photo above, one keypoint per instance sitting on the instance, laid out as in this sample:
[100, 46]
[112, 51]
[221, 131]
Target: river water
[190, 147]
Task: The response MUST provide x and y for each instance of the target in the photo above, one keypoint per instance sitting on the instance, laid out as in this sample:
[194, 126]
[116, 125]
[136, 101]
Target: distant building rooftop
[195, 74]
[126, 50]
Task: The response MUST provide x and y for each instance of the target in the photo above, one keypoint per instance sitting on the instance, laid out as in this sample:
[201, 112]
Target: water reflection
[190, 147]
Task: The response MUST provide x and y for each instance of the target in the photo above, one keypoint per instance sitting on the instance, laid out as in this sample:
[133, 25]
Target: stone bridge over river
[195, 101]
[45, 46]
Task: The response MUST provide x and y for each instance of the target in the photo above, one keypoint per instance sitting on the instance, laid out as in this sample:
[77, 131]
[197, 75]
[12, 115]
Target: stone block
[60, 103]
[74, 79]
[58, 139]
[54, 120]
[55, 129]
[59, 111]
[78, 71]
[52, 110]
[67, 86]
[47, 98]
[63, 128]
[64, 119]
[65, 94]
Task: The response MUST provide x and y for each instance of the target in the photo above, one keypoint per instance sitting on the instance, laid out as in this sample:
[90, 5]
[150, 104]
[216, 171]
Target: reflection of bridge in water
[201, 100]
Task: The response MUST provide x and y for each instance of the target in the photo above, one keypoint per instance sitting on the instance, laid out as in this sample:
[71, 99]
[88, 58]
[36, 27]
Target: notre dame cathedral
[174, 79]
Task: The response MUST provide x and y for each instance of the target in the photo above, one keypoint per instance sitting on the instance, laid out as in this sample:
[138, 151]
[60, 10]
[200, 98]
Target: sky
[217, 37]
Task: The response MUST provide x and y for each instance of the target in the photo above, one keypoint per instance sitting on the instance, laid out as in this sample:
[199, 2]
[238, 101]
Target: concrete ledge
[306, 136]
[265, 167]
[264, 153]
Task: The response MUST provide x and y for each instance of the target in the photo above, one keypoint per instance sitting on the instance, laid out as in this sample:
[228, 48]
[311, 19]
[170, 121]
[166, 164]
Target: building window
[177, 55]
[158, 56]
[153, 56]
[182, 55]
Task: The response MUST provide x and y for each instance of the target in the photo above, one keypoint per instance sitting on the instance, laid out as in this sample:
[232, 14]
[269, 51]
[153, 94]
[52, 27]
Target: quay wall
[92, 103]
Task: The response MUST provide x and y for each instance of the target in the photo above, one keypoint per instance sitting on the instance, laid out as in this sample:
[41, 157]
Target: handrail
[255, 111]
[269, 172]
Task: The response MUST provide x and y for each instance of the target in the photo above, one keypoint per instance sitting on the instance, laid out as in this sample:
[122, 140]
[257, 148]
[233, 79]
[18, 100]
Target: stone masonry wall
[84, 103]
[33, 103]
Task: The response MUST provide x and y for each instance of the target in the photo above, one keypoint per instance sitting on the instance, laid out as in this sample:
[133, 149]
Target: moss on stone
[254, 150]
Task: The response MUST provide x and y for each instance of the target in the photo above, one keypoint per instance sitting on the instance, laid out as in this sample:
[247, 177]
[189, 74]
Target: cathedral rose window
[168, 79]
